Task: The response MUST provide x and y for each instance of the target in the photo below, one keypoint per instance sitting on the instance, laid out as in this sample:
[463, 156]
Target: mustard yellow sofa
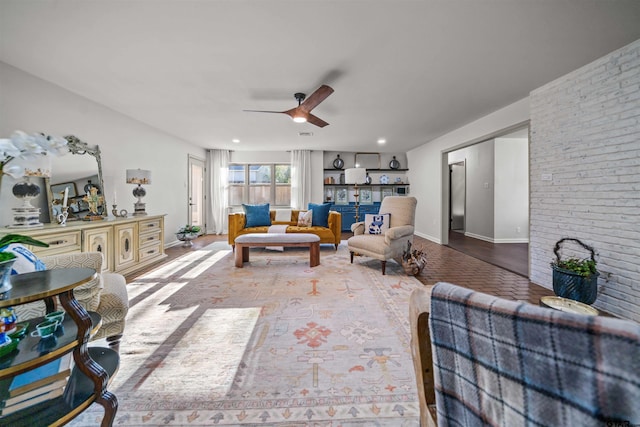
[331, 234]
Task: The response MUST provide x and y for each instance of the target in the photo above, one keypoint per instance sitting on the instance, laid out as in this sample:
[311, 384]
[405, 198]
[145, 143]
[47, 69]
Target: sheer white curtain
[218, 170]
[300, 178]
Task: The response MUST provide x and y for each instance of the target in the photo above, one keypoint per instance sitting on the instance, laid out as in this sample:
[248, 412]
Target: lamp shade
[355, 176]
[138, 176]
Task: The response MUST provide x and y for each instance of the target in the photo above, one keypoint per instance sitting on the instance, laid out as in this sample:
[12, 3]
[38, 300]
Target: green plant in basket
[9, 239]
[585, 267]
[575, 278]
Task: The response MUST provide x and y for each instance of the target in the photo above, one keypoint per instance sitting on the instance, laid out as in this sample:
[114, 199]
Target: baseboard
[522, 240]
[426, 236]
[172, 244]
[497, 241]
[479, 237]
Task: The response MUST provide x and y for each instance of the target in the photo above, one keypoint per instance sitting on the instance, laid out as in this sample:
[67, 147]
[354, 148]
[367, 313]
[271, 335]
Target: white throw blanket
[277, 229]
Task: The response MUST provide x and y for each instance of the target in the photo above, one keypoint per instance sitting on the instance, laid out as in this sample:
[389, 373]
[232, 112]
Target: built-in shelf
[370, 170]
[397, 184]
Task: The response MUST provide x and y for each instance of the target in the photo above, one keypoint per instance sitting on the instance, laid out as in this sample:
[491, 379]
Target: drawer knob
[58, 242]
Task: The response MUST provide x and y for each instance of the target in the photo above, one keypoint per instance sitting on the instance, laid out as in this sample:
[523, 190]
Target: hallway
[510, 256]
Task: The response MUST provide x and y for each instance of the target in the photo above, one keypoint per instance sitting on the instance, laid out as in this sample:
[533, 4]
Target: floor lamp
[355, 176]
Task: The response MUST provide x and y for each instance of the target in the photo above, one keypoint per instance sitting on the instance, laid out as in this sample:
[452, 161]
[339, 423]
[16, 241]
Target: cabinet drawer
[148, 226]
[67, 242]
[149, 239]
[149, 252]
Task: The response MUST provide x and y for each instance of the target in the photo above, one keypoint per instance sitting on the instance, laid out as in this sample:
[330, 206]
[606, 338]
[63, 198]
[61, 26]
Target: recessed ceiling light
[305, 133]
[381, 141]
[235, 141]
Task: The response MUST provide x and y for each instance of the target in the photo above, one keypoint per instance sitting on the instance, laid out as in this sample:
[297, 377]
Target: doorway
[488, 199]
[196, 194]
[457, 196]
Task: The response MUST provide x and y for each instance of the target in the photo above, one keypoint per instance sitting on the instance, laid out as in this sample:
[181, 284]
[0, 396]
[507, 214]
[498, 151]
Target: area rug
[274, 343]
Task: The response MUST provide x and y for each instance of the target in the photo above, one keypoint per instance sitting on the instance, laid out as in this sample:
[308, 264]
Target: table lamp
[139, 176]
[355, 176]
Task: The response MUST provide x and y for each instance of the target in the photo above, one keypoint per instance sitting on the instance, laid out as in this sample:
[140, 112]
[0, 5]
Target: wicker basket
[414, 265]
[571, 285]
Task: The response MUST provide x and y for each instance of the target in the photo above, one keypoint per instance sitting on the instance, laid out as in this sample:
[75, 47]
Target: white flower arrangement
[28, 147]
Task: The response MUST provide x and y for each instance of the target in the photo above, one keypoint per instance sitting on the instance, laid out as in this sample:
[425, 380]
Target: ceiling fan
[302, 113]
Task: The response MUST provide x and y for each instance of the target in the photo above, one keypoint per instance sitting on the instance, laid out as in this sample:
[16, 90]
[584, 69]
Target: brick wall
[585, 132]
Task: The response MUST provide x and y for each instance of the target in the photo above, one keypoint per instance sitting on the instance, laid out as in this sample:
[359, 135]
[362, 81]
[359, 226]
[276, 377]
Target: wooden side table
[93, 366]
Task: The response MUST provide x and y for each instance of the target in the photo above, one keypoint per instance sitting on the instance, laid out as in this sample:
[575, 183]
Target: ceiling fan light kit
[302, 113]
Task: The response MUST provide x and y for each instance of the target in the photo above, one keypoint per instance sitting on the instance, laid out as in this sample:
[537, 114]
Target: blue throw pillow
[257, 215]
[320, 214]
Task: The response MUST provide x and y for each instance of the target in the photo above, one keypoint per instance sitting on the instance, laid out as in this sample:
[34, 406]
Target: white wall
[33, 105]
[428, 165]
[585, 174]
[511, 204]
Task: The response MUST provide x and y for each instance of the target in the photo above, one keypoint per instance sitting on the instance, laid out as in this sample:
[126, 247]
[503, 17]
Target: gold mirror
[80, 170]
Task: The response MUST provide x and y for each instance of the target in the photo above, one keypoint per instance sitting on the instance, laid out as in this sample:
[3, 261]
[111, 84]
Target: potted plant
[413, 261]
[187, 233]
[8, 258]
[575, 278]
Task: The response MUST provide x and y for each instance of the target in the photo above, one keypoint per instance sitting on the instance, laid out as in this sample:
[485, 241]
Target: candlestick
[66, 197]
[62, 218]
[122, 214]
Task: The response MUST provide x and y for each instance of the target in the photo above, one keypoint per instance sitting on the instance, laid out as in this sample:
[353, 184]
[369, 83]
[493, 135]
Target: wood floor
[510, 256]
[444, 264]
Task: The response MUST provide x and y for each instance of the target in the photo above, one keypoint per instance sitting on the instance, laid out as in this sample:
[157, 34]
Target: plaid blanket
[505, 363]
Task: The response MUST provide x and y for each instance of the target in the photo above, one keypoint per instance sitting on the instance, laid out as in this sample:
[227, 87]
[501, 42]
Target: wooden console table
[93, 366]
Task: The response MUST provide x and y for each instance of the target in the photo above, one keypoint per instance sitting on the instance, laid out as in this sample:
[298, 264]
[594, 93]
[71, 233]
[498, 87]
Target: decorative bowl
[20, 332]
[8, 348]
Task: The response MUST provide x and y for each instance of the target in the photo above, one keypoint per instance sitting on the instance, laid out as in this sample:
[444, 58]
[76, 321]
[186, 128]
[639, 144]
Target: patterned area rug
[274, 343]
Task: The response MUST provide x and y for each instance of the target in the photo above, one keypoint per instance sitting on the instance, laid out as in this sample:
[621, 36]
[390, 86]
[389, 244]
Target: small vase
[394, 164]
[186, 238]
[338, 163]
[5, 274]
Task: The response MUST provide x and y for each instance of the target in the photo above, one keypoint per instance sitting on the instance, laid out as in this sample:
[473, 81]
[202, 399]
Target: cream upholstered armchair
[392, 242]
[106, 295]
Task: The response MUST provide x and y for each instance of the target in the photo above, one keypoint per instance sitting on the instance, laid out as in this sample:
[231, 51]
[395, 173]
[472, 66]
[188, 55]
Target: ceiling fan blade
[316, 98]
[315, 120]
[263, 111]
[292, 112]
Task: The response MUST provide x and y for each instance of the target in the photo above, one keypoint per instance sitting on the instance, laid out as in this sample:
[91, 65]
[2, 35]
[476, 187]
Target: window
[260, 183]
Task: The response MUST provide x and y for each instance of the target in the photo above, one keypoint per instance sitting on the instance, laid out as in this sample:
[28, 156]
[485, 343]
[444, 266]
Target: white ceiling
[407, 71]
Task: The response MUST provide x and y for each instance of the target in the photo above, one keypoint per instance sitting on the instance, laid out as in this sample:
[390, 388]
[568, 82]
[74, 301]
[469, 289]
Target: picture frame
[57, 190]
[384, 192]
[341, 196]
[366, 196]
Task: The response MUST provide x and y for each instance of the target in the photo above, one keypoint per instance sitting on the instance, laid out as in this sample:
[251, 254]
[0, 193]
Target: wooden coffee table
[246, 241]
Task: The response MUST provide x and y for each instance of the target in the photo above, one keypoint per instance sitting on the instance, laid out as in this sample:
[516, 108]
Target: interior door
[196, 192]
[457, 198]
